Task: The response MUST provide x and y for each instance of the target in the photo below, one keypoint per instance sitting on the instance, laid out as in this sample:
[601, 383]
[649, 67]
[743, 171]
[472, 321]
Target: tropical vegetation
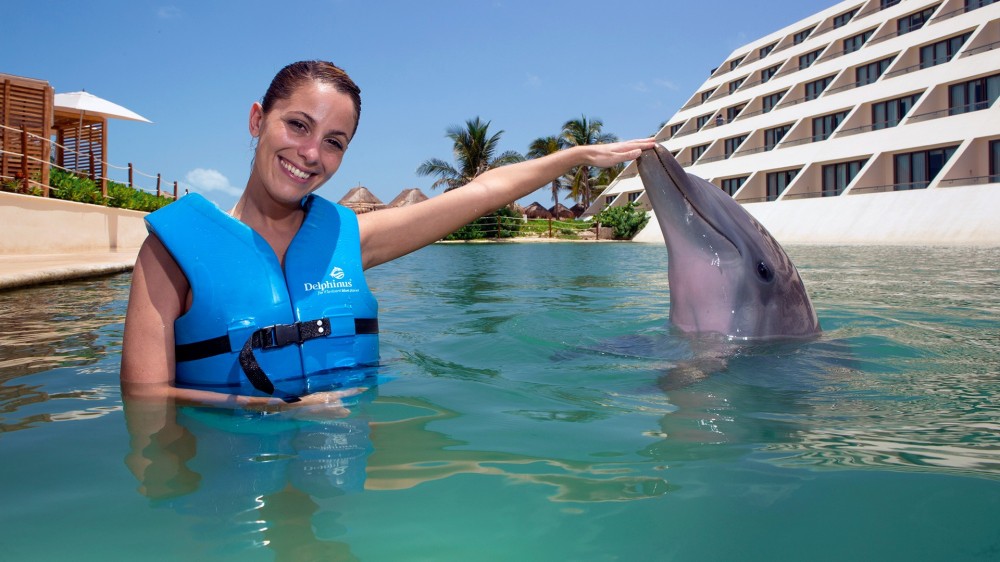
[476, 150]
[625, 221]
[72, 187]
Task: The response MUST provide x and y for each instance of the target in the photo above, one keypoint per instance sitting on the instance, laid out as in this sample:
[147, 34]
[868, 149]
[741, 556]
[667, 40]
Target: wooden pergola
[31, 118]
[85, 139]
[26, 116]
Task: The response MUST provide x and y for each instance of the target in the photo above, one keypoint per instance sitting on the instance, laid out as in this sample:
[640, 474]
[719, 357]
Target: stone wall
[39, 225]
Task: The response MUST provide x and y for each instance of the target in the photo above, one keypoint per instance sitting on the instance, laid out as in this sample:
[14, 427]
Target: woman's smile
[294, 170]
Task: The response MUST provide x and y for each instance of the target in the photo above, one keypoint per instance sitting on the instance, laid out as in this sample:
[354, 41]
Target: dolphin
[727, 274]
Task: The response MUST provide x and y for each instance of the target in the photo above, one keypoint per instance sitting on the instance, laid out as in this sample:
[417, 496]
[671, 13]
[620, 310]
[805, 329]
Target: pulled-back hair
[288, 79]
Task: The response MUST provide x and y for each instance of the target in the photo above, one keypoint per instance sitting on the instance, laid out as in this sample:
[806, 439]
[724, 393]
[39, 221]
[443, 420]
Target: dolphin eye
[764, 272]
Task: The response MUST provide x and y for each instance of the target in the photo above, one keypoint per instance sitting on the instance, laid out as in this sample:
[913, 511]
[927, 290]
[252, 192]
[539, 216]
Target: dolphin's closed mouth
[684, 186]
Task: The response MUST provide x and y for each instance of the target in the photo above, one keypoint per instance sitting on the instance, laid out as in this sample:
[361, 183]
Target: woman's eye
[335, 144]
[297, 125]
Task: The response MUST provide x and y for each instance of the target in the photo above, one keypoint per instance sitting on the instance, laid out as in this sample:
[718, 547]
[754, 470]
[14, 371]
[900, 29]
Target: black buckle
[280, 335]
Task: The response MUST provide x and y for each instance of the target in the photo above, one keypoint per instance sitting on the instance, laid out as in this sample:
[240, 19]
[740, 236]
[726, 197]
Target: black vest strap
[278, 335]
[217, 346]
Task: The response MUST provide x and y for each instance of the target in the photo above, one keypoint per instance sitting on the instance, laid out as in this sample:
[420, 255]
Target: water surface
[524, 411]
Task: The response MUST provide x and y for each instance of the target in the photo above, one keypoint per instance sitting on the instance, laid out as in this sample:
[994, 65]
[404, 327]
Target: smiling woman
[256, 307]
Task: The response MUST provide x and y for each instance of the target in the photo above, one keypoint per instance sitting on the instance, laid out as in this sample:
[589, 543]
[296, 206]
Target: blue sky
[194, 68]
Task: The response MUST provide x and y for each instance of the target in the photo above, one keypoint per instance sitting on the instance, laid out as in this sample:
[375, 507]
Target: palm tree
[474, 151]
[544, 146]
[604, 178]
[580, 132]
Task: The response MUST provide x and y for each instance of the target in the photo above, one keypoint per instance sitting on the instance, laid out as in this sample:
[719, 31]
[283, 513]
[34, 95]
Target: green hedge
[504, 223]
[71, 187]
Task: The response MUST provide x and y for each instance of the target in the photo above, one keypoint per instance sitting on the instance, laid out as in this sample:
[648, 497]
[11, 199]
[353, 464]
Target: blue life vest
[254, 325]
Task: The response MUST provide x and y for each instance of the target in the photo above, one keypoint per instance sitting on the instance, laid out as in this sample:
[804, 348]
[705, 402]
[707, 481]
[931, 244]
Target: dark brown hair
[294, 75]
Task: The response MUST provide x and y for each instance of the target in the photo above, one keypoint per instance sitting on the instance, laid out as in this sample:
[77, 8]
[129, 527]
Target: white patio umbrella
[87, 103]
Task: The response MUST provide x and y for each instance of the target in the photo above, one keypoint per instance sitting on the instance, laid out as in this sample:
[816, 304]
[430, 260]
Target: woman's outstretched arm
[391, 233]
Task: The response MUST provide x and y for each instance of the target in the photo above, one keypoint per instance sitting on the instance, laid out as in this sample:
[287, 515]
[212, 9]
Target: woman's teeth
[294, 171]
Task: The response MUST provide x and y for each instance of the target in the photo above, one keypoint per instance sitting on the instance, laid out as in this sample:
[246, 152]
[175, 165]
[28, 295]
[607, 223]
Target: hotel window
[914, 21]
[769, 73]
[889, 113]
[732, 112]
[732, 185]
[995, 161]
[706, 95]
[842, 19]
[764, 51]
[852, 44]
[870, 72]
[942, 51]
[824, 126]
[768, 102]
[801, 36]
[735, 84]
[608, 200]
[697, 151]
[777, 182]
[973, 4]
[700, 122]
[773, 136]
[733, 143]
[916, 170]
[675, 128]
[815, 88]
[807, 59]
[973, 95]
[633, 196]
[883, 4]
[836, 177]
[736, 62]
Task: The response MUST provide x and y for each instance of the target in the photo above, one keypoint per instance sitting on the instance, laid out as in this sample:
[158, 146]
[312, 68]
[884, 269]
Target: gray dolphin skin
[727, 274]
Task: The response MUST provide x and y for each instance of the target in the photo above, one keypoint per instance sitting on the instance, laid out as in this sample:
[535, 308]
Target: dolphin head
[727, 274]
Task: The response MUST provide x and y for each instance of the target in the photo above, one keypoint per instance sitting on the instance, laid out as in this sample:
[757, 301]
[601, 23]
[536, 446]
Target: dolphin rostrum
[727, 274]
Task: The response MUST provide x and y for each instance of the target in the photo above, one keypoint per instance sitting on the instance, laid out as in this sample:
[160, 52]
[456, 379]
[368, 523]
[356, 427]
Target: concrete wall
[966, 215]
[38, 225]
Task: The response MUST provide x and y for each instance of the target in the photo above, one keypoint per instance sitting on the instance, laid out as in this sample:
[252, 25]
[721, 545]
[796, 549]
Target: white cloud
[203, 181]
[657, 83]
[666, 84]
[168, 12]
[532, 81]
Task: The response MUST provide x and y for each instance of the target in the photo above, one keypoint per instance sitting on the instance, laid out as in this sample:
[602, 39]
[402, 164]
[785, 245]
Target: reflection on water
[535, 391]
[62, 328]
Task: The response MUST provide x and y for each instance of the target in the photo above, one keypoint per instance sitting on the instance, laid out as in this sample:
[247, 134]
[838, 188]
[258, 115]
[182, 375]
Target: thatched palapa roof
[578, 210]
[560, 211]
[408, 197]
[360, 200]
[537, 211]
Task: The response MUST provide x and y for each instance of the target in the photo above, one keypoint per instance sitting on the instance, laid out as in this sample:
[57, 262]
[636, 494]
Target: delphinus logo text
[337, 285]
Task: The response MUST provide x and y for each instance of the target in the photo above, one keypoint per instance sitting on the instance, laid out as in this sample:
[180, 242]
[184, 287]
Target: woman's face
[301, 140]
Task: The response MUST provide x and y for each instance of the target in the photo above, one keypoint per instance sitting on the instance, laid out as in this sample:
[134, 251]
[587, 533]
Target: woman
[303, 127]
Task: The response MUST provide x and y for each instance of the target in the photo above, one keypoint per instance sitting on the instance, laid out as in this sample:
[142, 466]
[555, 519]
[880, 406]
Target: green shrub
[504, 223]
[625, 221]
[72, 187]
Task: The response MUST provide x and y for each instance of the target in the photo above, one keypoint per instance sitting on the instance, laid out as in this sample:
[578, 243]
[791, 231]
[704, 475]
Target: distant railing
[891, 187]
[957, 110]
[23, 175]
[975, 180]
[981, 49]
[498, 227]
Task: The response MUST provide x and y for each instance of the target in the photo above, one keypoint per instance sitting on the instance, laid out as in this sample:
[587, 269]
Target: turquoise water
[529, 409]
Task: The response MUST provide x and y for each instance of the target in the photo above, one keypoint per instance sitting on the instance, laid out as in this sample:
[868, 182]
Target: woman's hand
[323, 405]
[607, 155]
